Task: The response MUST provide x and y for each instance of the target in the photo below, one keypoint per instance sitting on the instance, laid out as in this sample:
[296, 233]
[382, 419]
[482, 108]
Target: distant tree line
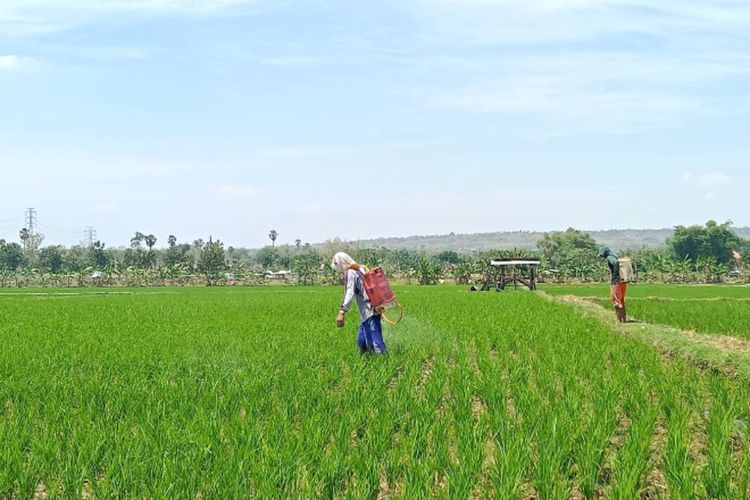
[706, 254]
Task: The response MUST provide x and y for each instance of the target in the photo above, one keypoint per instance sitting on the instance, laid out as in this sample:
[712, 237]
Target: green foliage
[466, 268]
[567, 256]
[211, 261]
[402, 261]
[139, 258]
[136, 256]
[150, 241]
[448, 257]
[567, 240]
[306, 265]
[98, 257]
[267, 257]
[11, 256]
[370, 257]
[76, 259]
[30, 241]
[175, 254]
[715, 241]
[571, 254]
[51, 259]
[428, 271]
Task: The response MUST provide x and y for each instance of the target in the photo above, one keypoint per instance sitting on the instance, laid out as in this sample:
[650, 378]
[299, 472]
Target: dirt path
[651, 298]
[730, 355]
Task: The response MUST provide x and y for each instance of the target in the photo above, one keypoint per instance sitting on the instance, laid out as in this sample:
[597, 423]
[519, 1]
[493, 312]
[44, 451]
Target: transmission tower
[30, 220]
[90, 235]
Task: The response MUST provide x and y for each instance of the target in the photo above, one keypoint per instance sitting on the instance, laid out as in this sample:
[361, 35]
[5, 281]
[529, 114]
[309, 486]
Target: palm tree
[298, 243]
[24, 234]
[273, 235]
[135, 241]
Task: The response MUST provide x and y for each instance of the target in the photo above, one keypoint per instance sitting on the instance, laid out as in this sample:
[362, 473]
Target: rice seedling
[255, 392]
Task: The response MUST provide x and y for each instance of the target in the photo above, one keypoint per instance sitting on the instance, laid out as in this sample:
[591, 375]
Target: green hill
[618, 239]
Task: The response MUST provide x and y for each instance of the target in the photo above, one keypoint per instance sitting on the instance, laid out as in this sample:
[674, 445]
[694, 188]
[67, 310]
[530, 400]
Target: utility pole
[30, 220]
[90, 235]
[30, 238]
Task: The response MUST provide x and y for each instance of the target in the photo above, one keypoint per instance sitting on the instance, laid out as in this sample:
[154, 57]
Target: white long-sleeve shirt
[355, 288]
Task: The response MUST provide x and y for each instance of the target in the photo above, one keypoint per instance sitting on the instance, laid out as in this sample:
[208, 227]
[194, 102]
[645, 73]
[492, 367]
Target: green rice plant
[743, 481]
[633, 457]
[253, 392]
[725, 316]
[553, 447]
[592, 443]
[651, 290]
[678, 467]
[510, 461]
[721, 417]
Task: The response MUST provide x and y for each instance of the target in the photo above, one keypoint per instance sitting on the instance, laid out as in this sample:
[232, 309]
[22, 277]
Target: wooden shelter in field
[504, 272]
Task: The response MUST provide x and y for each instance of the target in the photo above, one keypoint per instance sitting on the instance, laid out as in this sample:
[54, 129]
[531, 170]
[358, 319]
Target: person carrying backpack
[618, 287]
[370, 339]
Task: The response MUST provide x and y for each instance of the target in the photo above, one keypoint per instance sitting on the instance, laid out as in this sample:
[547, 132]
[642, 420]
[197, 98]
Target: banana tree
[112, 271]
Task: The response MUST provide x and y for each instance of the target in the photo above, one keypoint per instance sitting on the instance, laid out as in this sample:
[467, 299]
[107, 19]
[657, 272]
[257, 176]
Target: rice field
[655, 290]
[253, 392]
[721, 310]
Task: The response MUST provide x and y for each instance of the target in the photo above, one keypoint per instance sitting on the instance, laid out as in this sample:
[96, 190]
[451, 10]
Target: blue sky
[326, 119]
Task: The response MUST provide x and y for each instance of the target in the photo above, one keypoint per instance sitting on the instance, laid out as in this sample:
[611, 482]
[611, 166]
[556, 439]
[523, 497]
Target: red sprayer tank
[380, 293]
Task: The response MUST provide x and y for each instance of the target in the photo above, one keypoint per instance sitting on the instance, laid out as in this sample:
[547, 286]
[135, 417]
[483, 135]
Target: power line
[63, 228]
[60, 232]
[30, 220]
[9, 225]
[90, 235]
[68, 235]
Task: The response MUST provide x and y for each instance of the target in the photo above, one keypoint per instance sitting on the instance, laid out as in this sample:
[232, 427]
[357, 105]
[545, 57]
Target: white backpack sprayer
[627, 270]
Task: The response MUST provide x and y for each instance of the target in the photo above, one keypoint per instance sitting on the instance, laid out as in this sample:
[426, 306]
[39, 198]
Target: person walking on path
[370, 339]
[618, 288]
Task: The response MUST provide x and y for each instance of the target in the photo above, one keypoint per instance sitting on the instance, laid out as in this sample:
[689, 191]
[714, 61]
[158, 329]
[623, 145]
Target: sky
[358, 119]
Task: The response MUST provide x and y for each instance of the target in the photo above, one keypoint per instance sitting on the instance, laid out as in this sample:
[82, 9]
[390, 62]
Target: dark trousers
[371, 336]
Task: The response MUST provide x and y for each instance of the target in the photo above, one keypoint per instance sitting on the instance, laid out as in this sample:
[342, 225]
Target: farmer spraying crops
[370, 338]
[621, 270]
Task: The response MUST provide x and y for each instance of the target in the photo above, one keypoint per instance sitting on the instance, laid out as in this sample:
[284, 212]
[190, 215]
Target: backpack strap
[357, 267]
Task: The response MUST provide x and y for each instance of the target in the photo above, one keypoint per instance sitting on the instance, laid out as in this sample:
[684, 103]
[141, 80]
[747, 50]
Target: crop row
[236, 392]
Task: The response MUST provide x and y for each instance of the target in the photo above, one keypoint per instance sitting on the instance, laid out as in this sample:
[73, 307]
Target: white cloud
[8, 62]
[10, 7]
[238, 190]
[707, 179]
[686, 13]
[711, 184]
[30, 18]
[106, 206]
[103, 53]
[595, 66]
[12, 62]
[566, 103]
[117, 170]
